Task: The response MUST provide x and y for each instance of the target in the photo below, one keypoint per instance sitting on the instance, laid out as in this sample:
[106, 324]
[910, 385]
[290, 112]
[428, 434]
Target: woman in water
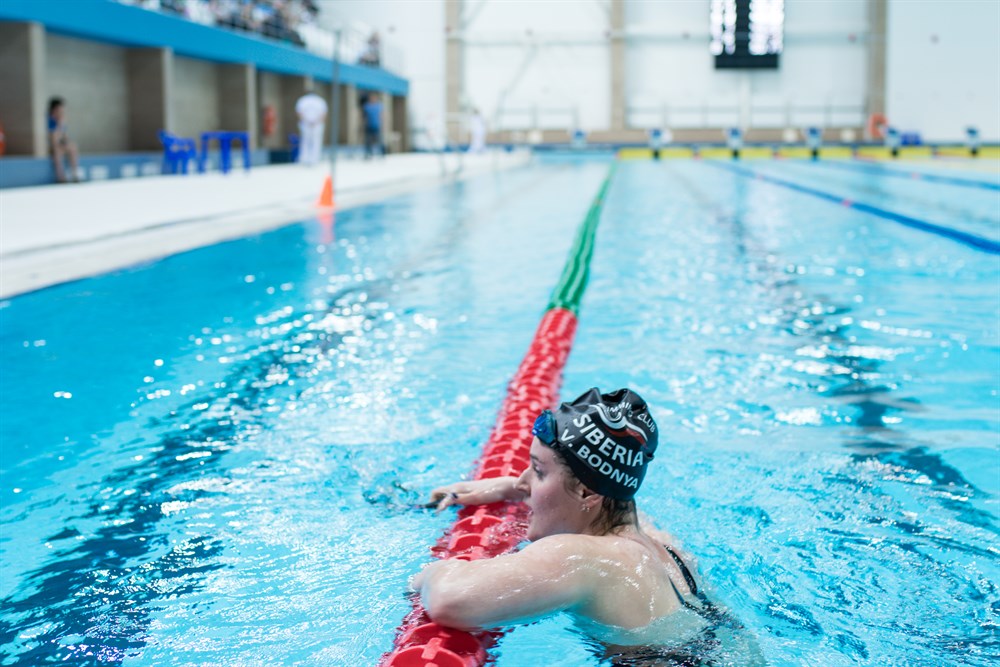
[591, 554]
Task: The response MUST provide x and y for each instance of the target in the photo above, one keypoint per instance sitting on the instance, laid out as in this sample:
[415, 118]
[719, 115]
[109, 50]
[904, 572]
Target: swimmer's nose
[522, 482]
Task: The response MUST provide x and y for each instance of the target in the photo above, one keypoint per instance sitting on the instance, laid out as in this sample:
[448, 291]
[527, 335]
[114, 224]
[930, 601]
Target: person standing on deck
[311, 109]
[372, 110]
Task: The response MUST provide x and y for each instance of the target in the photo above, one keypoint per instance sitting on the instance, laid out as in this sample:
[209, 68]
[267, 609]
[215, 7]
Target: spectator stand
[276, 20]
[291, 21]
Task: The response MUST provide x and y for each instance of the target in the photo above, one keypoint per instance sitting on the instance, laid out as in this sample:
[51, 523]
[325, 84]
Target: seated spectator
[173, 6]
[310, 11]
[59, 142]
[278, 19]
[289, 12]
[371, 56]
[226, 12]
[261, 15]
[246, 19]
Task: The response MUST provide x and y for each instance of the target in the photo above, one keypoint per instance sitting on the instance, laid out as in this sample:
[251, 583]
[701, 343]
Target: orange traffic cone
[326, 196]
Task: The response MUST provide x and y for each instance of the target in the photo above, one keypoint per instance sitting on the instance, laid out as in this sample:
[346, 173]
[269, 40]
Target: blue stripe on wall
[108, 21]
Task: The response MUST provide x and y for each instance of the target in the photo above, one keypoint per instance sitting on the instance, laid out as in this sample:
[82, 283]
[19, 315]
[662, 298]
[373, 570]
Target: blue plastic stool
[225, 139]
[177, 152]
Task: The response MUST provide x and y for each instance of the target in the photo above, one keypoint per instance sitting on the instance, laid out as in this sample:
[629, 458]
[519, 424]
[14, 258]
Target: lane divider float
[971, 240]
[485, 531]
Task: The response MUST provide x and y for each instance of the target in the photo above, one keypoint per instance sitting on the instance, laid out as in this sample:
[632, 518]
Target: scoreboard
[747, 33]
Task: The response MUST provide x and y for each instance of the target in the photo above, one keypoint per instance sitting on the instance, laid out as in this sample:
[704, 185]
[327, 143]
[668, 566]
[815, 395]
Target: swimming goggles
[545, 427]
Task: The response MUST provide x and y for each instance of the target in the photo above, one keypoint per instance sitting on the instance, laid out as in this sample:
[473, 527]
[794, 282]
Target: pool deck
[57, 233]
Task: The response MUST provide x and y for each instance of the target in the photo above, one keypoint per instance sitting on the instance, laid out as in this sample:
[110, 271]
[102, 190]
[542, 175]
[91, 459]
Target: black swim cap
[608, 439]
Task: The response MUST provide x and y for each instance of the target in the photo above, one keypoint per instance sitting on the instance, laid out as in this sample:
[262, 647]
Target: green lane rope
[573, 281]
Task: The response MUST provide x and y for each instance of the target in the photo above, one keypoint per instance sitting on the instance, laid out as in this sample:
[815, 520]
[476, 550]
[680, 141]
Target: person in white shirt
[477, 132]
[311, 109]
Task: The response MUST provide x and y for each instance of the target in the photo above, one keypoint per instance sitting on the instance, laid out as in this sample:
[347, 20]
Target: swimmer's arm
[543, 578]
[477, 492]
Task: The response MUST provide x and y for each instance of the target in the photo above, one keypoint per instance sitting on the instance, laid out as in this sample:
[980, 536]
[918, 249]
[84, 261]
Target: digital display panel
[747, 33]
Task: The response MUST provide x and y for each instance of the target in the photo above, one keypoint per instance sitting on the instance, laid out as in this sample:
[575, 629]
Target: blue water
[212, 458]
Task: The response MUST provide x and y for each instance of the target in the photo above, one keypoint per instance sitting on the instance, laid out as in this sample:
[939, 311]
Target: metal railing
[705, 115]
[761, 116]
[536, 117]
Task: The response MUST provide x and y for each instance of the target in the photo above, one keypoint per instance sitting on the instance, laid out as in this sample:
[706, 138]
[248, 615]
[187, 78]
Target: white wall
[544, 57]
[563, 62]
[935, 87]
[415, 28]
[943, 68]
[669, 65]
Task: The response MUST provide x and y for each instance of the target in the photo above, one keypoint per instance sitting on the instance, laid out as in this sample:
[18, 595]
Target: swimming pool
[214, 457]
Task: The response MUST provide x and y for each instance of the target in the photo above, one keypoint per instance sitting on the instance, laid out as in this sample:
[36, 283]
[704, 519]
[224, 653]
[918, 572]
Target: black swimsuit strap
[707, 608]
[688, 577]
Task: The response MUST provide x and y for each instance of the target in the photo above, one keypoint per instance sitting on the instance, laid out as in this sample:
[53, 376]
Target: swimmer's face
[554, 509]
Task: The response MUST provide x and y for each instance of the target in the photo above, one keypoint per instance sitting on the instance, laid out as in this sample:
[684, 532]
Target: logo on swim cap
[618, 423]
[609, 438]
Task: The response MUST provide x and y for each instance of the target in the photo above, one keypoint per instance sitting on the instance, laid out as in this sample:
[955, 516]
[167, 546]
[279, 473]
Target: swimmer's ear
[590, 499]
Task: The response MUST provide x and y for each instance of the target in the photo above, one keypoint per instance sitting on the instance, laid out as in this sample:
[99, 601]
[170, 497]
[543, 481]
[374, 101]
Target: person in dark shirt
[373, 125]
[60, 145]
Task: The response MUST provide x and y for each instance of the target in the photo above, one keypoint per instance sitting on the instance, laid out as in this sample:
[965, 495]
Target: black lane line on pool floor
[971, 240]
[885, 170]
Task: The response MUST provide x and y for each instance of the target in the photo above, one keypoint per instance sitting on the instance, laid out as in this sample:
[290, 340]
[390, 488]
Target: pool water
[214, 458]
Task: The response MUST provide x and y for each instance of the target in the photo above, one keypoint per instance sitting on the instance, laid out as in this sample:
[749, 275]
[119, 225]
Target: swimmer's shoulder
[569, 546]
[590, 556]
[598, 554]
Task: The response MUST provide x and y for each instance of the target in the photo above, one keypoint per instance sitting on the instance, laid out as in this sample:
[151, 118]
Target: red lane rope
[485, 531]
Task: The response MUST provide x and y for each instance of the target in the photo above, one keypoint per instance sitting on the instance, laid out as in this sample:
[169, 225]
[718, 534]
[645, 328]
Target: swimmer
[591, 555]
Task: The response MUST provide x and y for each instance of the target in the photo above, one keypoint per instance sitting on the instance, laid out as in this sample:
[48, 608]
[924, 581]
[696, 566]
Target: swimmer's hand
[476, 492]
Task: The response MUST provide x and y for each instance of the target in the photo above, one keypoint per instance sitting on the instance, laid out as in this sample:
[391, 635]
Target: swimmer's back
[633, 582]
[647, 608]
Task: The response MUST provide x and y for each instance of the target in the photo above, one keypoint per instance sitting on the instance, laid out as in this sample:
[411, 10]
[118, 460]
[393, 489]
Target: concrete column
[454, 69]
[238, 99]
[400, 122]
[324, 90]
[23, 106]
[150, 75]
[875, 99]
[350, 115]
[617, 64]
[292, 88]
